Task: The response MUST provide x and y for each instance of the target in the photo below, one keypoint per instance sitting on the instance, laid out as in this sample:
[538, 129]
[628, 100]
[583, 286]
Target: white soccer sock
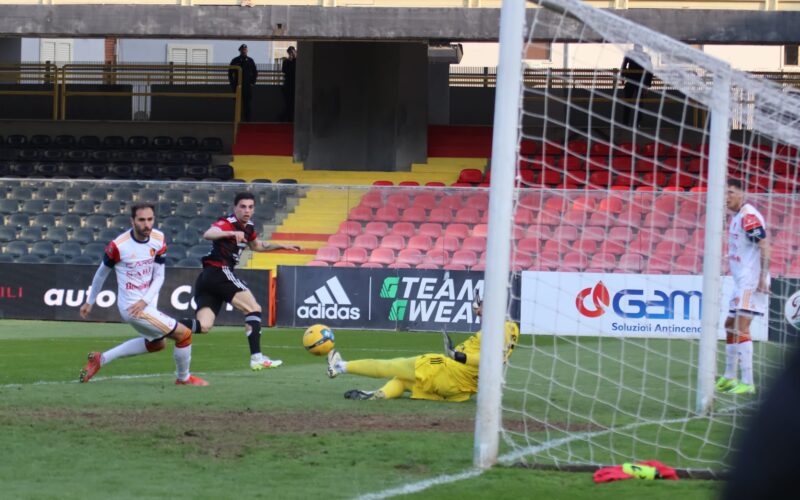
[746, 354]
[183, 358]
[257, 357]
[341, 366]
[132, 347]
[731, 358]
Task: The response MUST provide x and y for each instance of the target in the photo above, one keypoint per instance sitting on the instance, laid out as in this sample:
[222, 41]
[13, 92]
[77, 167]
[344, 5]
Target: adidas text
[328, 311]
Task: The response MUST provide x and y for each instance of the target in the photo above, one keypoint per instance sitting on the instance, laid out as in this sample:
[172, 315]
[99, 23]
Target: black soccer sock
[253, 320]
[190, 323]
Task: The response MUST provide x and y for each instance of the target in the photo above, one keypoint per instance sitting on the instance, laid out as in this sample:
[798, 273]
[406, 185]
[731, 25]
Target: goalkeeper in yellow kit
[452, 376]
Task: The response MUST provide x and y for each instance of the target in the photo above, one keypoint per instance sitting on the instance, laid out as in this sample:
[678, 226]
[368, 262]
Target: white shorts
[151, 323]
[749, 302]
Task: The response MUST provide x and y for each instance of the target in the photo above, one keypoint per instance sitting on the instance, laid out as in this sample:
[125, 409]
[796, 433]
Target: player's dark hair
[735, 183]
[243, 196]
[139, 206]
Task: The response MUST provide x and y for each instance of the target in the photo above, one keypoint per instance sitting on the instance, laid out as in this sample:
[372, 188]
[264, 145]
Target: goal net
[620, 234]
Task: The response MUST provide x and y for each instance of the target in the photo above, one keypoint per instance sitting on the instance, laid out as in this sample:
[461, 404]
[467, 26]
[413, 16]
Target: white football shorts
[749, 302]
[151, 324]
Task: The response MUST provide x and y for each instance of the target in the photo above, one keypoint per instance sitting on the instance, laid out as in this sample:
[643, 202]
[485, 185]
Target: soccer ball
[318, 340]
[791, 309]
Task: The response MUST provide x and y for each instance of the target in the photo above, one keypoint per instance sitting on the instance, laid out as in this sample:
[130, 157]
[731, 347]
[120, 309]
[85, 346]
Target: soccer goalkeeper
[452, 376]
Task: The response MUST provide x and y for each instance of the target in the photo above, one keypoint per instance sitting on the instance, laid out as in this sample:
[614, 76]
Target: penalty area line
[422, 485]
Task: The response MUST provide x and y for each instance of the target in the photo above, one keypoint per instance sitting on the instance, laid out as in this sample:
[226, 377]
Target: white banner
[620, 305]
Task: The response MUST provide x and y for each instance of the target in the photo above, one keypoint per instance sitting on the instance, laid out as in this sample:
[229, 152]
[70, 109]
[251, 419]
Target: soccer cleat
[192, 380]
[725, 384]
[742, 389]
[92, 366]
[359, 395]
[265, 363]
[334, 358]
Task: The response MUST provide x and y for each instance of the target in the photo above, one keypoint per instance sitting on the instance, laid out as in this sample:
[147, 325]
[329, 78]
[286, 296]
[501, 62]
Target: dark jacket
[249, 71]
[288, 69]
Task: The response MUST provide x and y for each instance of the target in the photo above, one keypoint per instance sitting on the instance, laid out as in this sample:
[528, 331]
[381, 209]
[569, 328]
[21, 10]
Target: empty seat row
[66, 141]
[147, 171]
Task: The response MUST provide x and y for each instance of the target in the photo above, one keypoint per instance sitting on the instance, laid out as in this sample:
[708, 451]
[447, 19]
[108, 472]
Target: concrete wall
[357, 109]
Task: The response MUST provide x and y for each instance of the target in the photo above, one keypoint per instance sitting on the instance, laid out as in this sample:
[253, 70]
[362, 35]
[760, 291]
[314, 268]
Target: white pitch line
[422, 485]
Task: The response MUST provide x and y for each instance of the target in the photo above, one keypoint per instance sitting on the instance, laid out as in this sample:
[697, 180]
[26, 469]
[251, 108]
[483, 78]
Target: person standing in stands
[288, 69]
[249, 77]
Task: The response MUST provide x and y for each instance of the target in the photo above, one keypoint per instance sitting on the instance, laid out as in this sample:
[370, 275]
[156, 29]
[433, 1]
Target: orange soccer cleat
[92, 366]
[192, 380]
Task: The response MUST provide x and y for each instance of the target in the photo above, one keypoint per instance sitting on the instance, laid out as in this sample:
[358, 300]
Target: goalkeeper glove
[450, 351]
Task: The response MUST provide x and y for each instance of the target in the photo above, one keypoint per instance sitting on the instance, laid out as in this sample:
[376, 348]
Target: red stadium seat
[408, 183]
[538, 232]
[600, 178]
[479, 201]
[414, 214]
[529, 245]
[339, 240]
[360, 213]
[600, 148]
[400, 265]
[372, 199]
[578, 147]
[574, 261]
[467, 258]
[677, 235]
[622, 234]
[470, 175]
[602, 263]
[547, 261]
[584, 246]
[317, 263]
[451, 202]
[344, 263]
[593, 233]
[383, 183]
[425, 201]
[379, 229]
[432, 229]
[404, 229]
[467, 216]
[447, 243]
[410, 256]
[382, 255]
[400, 201]
[328, 254]
[575, 218]
[480, 230]
[350, 228]
[690, 264]
[367, 241]
[374, 265]
[441, 215]
[356, 255]
[612, 247]
[387, 214]
[631, 263]
[475, 243]
[459, 231]
[656, 220]
[420, 242]
[393, 242]
[565, 233]
[524, 216]
[521, 261]
[436, 257]
[658, 264]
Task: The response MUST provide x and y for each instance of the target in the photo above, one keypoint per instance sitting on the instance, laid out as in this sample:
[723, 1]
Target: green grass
[283, 433]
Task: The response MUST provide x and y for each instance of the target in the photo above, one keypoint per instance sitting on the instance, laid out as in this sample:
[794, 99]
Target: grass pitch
[281, 433]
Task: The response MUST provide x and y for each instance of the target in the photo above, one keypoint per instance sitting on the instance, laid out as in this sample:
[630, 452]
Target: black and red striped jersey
[225, 252]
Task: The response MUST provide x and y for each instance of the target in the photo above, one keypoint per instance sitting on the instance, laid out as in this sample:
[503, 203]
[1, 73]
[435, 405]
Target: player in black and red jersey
[218, 284]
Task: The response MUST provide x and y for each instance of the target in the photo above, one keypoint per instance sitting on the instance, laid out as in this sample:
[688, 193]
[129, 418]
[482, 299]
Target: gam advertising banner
[56, 292]
[620, 305]
[381, 299]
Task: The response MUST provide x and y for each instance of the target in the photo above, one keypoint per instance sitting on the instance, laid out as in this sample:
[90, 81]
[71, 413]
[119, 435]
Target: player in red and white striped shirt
[137, 256]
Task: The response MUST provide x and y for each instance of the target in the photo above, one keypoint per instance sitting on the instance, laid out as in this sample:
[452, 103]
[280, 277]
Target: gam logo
[631, 303]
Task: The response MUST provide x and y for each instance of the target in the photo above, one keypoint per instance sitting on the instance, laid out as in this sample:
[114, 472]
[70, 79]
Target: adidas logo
[329, 301]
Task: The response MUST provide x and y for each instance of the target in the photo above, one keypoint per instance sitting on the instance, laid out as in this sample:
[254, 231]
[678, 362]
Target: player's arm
[755, 232]
[473, 359]
[110, 258]
[262, 246]
[215, 232]
[766, 254]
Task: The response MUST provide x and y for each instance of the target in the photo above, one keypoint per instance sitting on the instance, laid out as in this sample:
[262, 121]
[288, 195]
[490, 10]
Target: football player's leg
[245, 301]
[401, 368]
[731, 356]
[393, 389]
[182, 354]
[745, 346]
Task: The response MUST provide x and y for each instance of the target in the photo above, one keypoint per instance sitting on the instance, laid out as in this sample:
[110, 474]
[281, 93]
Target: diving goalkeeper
[452, 376]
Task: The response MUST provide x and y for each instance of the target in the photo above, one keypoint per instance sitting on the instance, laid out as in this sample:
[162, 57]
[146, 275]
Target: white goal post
[608, 192]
